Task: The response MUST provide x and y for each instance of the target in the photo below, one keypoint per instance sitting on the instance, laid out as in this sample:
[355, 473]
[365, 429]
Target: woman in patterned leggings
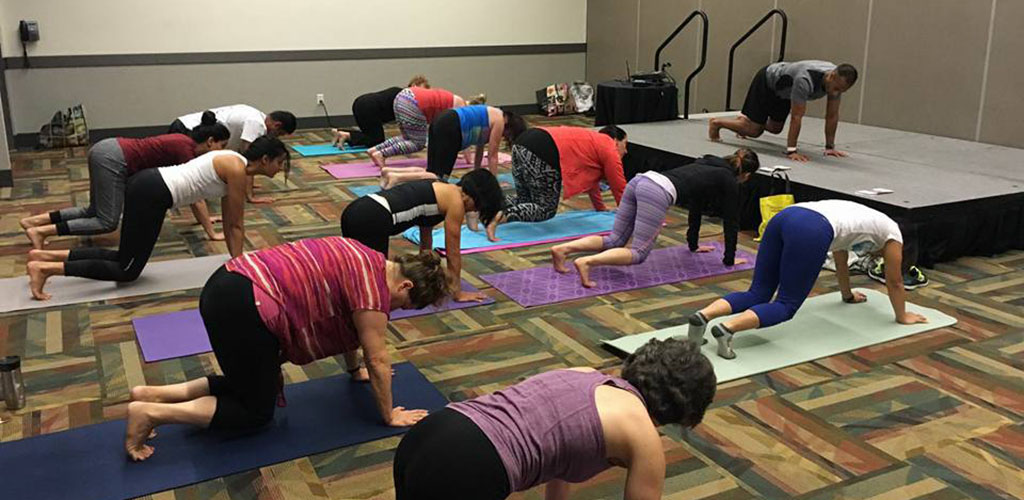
[549, 164]
[415, 109]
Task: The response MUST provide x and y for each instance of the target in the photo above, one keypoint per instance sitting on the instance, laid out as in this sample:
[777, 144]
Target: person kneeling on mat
[559, 427]
[793, 249]
[267, 307]
[371, 112]
[148, 197]
[111, 163]
[646, 202]
[555, 163]
[415, 109]
[455, 130]
[374, 218]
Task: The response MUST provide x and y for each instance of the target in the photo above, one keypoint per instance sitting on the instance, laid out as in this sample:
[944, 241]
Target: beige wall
[117, 97]
[925, 65]
[71, 27]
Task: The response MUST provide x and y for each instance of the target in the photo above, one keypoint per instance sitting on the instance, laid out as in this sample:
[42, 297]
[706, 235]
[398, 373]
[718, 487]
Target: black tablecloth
[622, 102]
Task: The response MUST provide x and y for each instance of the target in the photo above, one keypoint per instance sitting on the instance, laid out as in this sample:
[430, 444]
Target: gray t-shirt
[799, 81]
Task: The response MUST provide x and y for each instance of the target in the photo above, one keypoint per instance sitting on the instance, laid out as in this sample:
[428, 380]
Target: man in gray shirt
[783, 89]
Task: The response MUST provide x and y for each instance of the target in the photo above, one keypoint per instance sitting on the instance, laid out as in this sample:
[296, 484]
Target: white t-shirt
[856, 228]
[245, 123]
[197, 179]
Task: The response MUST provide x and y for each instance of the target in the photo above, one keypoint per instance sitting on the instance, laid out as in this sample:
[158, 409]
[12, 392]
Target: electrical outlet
[319, 99]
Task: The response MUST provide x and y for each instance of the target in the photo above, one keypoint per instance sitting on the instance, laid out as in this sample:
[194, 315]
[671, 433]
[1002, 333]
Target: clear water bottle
[11, 384]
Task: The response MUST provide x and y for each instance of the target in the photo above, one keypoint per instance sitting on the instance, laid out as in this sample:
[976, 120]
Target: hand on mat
[704, 249]
[856, 298]
[835, 152]
[911, 318]
[464, 296]
[400, 417]
[798, 157]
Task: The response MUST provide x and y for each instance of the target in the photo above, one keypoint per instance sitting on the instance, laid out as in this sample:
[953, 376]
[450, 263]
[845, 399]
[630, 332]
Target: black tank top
[412, 204]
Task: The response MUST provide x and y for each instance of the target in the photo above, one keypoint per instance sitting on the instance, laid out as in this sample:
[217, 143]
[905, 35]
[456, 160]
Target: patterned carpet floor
[934, 416]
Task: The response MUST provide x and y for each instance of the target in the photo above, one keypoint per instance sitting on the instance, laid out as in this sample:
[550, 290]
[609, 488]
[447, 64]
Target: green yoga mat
[824, 326]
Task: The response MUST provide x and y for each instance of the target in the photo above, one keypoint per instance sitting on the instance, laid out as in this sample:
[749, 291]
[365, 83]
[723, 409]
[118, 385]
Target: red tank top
[157, 151]
[433, 101]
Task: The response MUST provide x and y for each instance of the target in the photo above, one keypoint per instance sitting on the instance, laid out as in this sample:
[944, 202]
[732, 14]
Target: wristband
[791, 150]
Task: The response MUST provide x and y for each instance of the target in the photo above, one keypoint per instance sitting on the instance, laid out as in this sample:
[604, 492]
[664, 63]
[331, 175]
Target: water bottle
[11, 384]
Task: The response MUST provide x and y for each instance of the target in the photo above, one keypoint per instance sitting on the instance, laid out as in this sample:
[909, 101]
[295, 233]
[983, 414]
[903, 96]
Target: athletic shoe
[914, 279]
[877, 271]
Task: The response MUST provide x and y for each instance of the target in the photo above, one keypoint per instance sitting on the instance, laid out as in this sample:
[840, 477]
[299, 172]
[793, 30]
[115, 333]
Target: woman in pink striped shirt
[296, 302]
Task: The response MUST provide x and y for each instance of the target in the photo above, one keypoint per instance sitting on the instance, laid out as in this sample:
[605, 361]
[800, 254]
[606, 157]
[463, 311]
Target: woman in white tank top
[149, 195]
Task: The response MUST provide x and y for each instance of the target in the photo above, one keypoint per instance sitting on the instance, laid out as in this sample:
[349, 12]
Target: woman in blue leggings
[708, 181]
[793, 249]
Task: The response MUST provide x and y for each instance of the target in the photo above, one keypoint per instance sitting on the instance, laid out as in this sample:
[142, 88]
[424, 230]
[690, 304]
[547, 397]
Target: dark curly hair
[430, 283]
[675, 379]
[483, 188]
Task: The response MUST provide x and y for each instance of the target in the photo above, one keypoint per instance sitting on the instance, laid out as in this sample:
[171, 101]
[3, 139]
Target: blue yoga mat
[503, 179]
[564, 226]
[325, 150]
[90, 462]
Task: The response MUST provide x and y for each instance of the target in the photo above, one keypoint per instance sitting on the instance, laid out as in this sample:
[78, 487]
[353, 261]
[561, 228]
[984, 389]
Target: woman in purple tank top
[559, 427]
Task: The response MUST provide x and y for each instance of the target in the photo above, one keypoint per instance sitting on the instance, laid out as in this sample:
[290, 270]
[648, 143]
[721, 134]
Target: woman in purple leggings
[559, 427]
[794, 247]
[648, 196]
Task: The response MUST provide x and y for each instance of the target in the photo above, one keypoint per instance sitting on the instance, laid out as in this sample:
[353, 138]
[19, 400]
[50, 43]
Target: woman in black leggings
[371, 112]
[149, 195]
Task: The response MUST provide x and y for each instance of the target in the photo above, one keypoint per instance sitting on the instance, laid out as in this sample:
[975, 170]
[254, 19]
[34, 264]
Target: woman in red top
[111, 163]
[415, 110]
[551, 164]
[296, 302]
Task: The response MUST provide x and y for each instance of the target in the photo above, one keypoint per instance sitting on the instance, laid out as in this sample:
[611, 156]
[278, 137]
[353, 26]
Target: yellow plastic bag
[774, 203]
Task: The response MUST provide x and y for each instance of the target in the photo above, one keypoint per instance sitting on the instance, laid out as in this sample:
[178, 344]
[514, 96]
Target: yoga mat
[824, 326]
[358, 170]
[543, 285]
[182, 333]
[450, 305]
[564, 226]
[505, 180]
[171, 335]
[157, 277]
[326, 150]
[90, 462]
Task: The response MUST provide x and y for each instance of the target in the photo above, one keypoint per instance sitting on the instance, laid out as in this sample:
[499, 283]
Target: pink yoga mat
[359, 170]
[543, 285]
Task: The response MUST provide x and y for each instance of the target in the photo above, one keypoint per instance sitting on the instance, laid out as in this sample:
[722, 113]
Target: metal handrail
[703, 55]
[732, 51]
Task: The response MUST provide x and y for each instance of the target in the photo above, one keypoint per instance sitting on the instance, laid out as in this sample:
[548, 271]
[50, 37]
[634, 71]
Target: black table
[620, 102]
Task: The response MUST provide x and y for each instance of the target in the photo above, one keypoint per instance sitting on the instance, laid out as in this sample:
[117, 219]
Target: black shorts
[444, 142]
[762, 103]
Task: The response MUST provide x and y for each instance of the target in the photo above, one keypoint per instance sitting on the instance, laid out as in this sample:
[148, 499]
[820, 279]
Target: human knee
[107, 223]
[772, 127]
[640, 254]
[130, 274]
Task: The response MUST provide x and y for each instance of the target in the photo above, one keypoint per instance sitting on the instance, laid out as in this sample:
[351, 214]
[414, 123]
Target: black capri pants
[368, 119]
[369, 223]
[146, 202]
[444, 142]
[248, 353]
[446, 456]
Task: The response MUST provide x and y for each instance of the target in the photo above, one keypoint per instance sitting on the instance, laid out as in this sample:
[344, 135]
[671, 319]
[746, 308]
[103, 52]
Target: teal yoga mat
[325, 150]
[824, 326]
[564, 226]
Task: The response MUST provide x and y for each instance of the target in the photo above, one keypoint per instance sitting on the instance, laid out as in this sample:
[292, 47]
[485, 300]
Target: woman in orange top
[550, 164]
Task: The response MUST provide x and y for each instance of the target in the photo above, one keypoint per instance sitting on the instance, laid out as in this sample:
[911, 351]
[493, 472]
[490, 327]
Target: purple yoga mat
[543, 285]
[368, 169]
[447, 306]
[179, 334]
[171, 335]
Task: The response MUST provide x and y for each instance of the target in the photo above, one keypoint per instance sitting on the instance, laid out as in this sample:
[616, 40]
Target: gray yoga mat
[157, 277]
[824, 326]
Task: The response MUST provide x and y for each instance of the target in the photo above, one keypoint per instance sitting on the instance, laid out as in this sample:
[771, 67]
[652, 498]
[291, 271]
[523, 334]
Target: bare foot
[46, 255]
[145, 393]
[138, 429]
[26, 223]
[713, 128]
[558, 259]
[36, 280]
[583, 268]
[377, 158]
[36, 237]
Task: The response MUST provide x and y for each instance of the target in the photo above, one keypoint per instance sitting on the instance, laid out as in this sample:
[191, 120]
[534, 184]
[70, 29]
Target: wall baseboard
[28, 142]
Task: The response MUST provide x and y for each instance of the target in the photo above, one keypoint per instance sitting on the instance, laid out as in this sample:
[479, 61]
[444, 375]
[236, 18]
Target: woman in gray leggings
[111, 162]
